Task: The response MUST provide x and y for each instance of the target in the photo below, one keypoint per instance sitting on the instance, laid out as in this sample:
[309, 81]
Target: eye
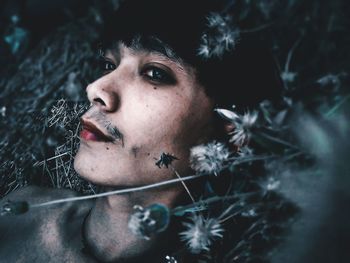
[105, 65]
[158, 75]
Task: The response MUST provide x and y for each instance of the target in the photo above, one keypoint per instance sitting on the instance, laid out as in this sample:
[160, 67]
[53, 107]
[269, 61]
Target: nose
[102, 94]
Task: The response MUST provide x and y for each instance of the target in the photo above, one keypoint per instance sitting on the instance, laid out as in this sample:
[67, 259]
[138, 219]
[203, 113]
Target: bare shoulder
[36, 195]
[46, 225]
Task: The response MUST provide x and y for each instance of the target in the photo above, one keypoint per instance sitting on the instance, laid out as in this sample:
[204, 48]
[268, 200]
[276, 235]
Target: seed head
[243, 125]
[220, 37]
[209, 158]
[200, 233]
[145, 222]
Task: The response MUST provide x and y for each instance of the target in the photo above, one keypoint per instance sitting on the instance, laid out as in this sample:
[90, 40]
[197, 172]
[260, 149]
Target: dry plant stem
[116, 192]
[52, 158]
[222, 220]
[257, 28]
[291, 156]
[290, 54]
[248, 159]
[57, 175]
[238, 245]
[278, 140]
[212, 200]
[183, 183]
[337, 106]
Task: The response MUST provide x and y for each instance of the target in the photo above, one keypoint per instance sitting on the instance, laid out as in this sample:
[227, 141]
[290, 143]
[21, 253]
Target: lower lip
[88, 135]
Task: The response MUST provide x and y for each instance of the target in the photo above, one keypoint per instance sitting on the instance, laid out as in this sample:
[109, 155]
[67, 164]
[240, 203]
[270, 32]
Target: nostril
[100, 101]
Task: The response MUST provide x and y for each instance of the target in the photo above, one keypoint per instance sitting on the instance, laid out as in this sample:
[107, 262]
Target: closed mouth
[91, 132]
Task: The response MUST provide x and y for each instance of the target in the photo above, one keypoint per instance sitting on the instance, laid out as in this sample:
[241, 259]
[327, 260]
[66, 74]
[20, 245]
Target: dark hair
[243, 77]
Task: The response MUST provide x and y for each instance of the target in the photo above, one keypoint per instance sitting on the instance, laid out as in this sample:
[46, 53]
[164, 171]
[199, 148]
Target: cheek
[151, 115]
[165, 119]
[169, 123]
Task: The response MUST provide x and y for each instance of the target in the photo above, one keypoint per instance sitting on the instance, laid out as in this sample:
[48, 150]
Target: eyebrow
[163, 55]
[153, 46]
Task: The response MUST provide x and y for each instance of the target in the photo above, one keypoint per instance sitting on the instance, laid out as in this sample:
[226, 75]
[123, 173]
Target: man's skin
[51, 234]
[157, 105]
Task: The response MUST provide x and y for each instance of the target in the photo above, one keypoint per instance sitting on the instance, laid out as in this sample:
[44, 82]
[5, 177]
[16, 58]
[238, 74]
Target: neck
[107, 232]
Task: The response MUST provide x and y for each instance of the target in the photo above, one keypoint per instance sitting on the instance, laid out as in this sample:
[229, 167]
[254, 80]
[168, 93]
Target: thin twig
[257, 28]
[337, 106]
[239, 160]
[290, 54]
[183, 183]
[117, 192]
[51, 158]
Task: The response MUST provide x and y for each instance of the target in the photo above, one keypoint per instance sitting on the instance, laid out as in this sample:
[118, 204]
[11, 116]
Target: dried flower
[333, 80]
[227, 114]
[203, 50]
[270, 184]
[288, 77]
[150, 220]
[200, 233]
[170, 259]
[165, 159]
[3, 111]
[249, 213]
[216, 20]
[242, 125]
[220, 37]
[209, 158]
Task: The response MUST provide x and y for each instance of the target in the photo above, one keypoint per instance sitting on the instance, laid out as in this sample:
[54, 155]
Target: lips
[91, 133]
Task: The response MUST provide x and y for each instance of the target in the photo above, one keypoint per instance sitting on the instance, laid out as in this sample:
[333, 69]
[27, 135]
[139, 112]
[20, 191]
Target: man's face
[146, 104]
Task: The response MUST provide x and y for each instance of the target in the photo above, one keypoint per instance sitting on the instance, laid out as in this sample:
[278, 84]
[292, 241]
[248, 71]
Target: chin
[82, 167]
[86, 168]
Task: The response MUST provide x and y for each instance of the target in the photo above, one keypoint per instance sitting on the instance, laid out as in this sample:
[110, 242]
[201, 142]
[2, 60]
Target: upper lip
[94, 129]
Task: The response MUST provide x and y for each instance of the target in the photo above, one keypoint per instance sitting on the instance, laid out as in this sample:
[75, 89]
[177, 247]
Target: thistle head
[145, 222]
[209, 158]
[242, 125]
[200, 233]
[221, 36]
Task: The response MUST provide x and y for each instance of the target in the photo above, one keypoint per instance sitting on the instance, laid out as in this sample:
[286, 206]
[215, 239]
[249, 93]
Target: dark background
[47, 57]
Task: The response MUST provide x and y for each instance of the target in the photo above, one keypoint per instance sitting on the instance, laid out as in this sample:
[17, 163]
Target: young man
[157, 95]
